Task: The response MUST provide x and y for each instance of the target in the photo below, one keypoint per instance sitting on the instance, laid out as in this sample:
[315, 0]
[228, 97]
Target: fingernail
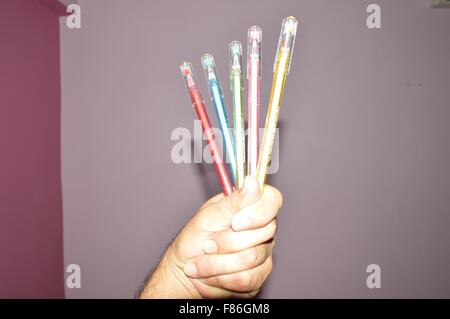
[240, 222]
[190, 269]
[210, 247]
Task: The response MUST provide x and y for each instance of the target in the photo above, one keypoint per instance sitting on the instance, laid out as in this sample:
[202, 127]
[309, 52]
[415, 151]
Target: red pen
[199, 106]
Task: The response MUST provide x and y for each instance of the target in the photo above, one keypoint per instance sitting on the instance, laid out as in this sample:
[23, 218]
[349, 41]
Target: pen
[199, 106]
[254, 37]
[280, 69]
[238, 112]
[215, 91]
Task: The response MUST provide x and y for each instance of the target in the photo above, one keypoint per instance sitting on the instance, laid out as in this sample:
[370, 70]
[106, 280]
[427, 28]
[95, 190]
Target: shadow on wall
[208, 180]
[206, 172]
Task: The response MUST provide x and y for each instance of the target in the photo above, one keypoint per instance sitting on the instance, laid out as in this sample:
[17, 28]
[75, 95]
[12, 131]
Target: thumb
[217, 215]
[245, 196]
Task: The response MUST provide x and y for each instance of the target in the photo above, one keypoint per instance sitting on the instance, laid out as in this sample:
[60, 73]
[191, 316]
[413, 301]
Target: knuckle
[215, 266]
[268, 249]
[256, 255]
[272, 245]
[270, 265]
[272, 228]
[243, 280]
[278, 198]
[232, 203]
[236, 243]
[215, 281]
[258, 280]
[253, 294]
[275, 196]
[227, 243]
[252, 256]
[226, 210]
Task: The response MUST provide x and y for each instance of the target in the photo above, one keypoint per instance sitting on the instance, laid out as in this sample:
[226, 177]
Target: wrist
[169, 281]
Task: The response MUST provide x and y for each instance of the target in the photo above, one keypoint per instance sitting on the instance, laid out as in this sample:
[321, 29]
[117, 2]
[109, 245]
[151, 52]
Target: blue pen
[217, 97]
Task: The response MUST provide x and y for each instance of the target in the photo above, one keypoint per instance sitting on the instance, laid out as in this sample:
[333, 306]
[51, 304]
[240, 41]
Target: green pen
[238, 112]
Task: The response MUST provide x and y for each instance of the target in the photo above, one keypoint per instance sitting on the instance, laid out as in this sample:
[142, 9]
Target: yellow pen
[280, 69]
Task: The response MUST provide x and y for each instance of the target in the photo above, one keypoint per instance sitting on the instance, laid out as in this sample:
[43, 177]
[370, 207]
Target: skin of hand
[224, 251]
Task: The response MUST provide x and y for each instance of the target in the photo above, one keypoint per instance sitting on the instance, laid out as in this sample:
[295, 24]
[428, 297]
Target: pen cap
[286, 40]
[235, 61]
[189, 76]
[235, 56]
[209, 66]
[254, 38]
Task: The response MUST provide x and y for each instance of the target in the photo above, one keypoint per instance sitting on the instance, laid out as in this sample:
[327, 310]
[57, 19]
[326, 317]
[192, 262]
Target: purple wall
[31, 260]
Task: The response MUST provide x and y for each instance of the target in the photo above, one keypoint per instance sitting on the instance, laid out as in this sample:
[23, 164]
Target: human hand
[224, 251]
